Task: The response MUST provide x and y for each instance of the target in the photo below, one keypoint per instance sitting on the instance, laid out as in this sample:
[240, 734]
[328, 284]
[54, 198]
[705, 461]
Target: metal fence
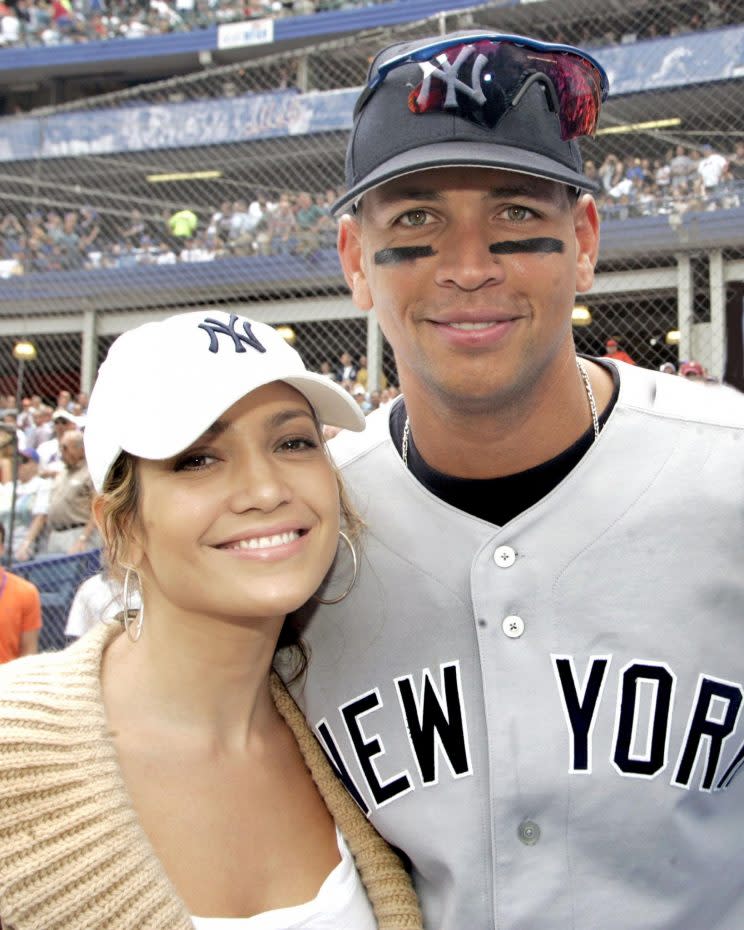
[212, 190]
[57, 579]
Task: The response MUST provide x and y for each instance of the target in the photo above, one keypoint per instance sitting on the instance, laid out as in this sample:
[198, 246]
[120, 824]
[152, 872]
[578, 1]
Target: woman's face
[244, 523]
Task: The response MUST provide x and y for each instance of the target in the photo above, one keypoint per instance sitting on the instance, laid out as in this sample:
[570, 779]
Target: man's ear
[352, 260]
[586, 225]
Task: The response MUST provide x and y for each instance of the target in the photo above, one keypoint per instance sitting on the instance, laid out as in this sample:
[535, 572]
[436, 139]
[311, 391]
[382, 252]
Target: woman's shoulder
[52, 681]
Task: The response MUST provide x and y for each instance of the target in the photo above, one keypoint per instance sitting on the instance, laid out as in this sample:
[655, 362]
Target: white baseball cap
[163, 384]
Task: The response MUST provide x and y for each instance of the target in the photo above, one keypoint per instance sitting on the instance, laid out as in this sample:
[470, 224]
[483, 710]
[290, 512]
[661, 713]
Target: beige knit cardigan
[73, 855]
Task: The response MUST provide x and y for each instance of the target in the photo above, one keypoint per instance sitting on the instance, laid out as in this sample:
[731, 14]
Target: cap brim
[466, 155]
[333, 406]
[330, 401]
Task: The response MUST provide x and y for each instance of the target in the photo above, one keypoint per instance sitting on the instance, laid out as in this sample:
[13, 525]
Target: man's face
[27, 468]
[71, 451]
[473, 275]
[62, 426]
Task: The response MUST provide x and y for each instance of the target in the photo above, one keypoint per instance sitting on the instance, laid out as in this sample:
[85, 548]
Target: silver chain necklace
[589, 396]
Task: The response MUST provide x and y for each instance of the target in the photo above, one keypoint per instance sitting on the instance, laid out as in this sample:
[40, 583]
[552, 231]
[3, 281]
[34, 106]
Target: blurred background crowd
[53, 22]
[57, 22]
[687, 179]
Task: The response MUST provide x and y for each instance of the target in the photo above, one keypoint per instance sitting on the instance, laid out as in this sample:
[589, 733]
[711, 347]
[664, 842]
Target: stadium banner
[250, 32]
[734, 373]
[178, 125]
[655, 64]
[674, 61]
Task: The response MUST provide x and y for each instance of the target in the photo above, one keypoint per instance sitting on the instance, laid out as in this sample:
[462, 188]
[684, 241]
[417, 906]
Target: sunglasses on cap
[480, 77]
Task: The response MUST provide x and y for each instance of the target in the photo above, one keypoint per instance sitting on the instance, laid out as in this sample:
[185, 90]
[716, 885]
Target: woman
[162, 778]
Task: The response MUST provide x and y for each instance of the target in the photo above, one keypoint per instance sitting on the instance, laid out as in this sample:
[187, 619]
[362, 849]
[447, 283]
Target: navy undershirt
[498, 500]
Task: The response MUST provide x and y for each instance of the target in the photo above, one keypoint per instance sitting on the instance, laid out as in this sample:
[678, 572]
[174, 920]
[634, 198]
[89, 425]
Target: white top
[341, 903]
[97, 598]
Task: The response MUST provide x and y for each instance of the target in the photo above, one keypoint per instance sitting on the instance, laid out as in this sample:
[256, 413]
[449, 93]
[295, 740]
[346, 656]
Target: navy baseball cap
[474, 99]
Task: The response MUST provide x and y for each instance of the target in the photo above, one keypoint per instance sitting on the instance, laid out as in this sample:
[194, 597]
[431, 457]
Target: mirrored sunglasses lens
[480, 80]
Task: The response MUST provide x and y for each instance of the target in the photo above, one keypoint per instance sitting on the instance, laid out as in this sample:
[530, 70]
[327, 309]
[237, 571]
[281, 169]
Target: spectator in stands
[197, 250]
[327, 226]
[134, 230]
[613, 350]
[31, 506]
[20, 613]
[219, 223]
[711, 170]
[668, 368]
[41, 428]
[310, 218]
[26, 420]
[7, 452]
[662, 174]
[694, 371]
[346, 370]
[12, 232]
[71, 525]
[242, 229]
[10, 26]
[326, 370]
[592, 172]
[69, 242]
[282, 227]
[736, 162]
[261, 206]
[682, 169]
[9, 419]
[89, 228]
[611, 171]
[262, 209]
[64, 399]
[182, 225]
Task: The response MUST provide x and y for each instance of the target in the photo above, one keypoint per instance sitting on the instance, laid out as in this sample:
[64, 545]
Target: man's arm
[31, 601]
[26, 549]
[82, 543]
[29, 643]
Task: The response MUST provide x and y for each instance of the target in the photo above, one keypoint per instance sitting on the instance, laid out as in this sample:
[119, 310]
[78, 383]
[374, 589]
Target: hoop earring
[134, 618]
[355, 561]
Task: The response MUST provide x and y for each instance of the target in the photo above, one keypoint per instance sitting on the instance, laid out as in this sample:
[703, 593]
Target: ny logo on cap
[216, 328]
[448, 73]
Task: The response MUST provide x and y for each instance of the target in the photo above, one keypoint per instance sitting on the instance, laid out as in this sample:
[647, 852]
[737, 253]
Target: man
[711, 169]
[31, 505]
[613, 350]
[50, 458]
[71, 525]
[694, 371]
[20, 613]
[347, 370]
[533, 688]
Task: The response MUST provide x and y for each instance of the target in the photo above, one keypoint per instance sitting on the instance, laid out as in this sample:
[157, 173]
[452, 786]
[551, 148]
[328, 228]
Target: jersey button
[512, 626]
[505, 556]
[528, 832]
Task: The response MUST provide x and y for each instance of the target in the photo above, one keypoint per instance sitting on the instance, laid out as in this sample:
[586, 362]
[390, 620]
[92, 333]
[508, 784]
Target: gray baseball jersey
[546, 717]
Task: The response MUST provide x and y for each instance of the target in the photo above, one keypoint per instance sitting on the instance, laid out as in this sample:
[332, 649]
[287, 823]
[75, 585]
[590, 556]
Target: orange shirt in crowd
[20, 612]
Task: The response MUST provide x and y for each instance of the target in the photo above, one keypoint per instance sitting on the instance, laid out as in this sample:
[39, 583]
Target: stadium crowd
[301, 224]
[55, 22]
[60, 22]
